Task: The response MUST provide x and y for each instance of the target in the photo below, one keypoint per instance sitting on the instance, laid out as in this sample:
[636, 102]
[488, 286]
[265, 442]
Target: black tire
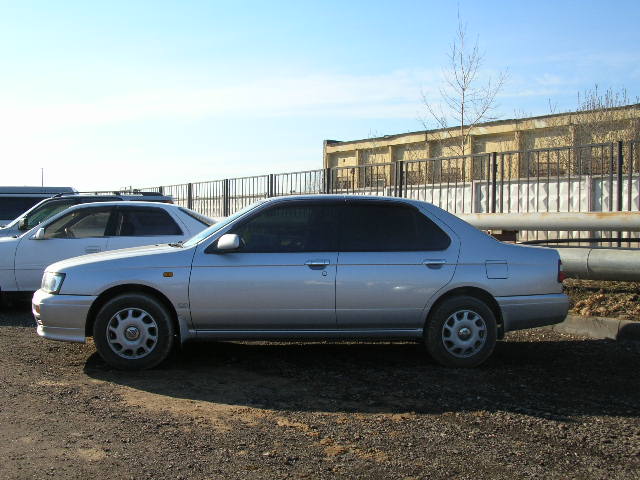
[133, 332]
[461, 332]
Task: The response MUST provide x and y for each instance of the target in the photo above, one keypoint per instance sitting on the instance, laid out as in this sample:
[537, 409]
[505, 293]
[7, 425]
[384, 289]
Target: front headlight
[51, 282]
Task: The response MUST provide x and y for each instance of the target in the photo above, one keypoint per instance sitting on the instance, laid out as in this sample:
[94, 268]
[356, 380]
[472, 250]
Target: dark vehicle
[15, 200]
[51, 206]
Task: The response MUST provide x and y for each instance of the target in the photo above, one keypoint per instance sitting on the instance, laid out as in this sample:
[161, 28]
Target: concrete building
[515, 135]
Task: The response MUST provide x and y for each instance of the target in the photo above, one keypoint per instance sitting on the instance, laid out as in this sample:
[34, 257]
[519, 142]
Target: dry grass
[604, 299]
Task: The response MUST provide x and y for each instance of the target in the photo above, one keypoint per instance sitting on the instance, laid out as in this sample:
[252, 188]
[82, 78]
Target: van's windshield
[12, 207]
[41, 212]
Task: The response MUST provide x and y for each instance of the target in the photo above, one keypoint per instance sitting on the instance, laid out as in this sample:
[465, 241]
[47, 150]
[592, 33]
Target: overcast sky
[144, 93]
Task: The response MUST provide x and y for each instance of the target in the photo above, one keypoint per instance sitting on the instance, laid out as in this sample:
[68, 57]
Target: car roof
[111, 195]
[37, 190]
[342, 197]
[123, 203]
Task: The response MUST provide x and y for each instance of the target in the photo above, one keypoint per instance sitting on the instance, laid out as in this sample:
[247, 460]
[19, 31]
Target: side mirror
[228, 242]
[39, 234]
[22, 224]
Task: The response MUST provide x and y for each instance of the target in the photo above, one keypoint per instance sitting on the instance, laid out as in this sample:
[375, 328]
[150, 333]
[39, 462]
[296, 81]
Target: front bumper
[531, 311]
[61, 317]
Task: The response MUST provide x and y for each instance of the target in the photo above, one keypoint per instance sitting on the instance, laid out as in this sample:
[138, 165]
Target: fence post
[327, 180]
[190, 195]
[161, 190]
[619, 185]
[398, 168]
[494, 177]
[619, 174]
[225, 197]
[271, 187]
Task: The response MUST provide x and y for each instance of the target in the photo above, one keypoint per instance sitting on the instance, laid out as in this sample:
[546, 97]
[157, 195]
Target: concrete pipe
[601, 263]
[553, 221]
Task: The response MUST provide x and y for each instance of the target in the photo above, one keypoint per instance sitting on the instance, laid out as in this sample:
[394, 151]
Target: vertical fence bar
[611, 168]
[630, 161]
[502, 183]
[399, 177]
[494, 175]
[271, 185]
[619, 172]
[190, 195]
[225, 197]
[620, 167]
[327, 180]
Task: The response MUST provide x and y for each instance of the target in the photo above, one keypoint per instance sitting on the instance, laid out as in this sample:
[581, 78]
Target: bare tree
[600, 118]
[467, 99]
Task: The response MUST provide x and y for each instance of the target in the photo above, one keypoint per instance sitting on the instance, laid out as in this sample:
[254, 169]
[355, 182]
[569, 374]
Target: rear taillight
[561, 275]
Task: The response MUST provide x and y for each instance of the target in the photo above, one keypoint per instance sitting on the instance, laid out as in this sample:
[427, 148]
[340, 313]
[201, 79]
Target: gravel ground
[545, 406]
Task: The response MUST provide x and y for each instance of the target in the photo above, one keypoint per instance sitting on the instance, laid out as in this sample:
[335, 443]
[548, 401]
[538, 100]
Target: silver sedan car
[308, 267]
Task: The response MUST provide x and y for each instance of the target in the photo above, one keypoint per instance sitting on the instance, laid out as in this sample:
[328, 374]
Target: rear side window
[389, 228]
[141, 222]
[291, 228]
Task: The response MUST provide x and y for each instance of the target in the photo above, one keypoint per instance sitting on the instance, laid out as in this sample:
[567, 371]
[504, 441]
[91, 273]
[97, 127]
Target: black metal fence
[596, 177]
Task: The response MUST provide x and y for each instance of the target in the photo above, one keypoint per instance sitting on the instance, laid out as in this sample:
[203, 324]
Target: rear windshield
[198, 217]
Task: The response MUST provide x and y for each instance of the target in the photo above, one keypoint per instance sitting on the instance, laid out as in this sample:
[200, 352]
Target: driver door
[77, 233]
[281, 278]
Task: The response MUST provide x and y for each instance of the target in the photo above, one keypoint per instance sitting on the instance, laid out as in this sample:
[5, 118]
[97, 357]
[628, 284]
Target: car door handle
[317, 264]
[92, 249]
[434, 262]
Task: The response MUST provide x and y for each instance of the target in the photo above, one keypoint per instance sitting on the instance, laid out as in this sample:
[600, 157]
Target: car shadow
[552, 379]
[16, 313]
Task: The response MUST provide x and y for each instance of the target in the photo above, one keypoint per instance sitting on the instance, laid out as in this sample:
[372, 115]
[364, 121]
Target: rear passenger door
[392, 260]
[137, 226]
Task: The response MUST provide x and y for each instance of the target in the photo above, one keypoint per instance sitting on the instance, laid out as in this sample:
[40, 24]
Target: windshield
[12, 207]
[196, 239]
[41, 212]
[17, 219]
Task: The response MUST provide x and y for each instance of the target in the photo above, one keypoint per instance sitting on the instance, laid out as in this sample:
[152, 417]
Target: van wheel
[461, 332]
[133, 332]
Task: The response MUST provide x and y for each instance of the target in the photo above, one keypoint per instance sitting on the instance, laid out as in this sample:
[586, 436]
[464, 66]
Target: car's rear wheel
[133, 332]
[461, 332]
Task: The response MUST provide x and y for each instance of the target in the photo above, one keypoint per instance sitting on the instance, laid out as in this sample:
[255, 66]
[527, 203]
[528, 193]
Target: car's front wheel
[461, 332]
[133, 332]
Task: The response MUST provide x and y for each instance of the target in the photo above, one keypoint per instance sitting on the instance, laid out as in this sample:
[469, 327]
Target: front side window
[141, 222]
[291, 228]
[389, 228]
[83, 223]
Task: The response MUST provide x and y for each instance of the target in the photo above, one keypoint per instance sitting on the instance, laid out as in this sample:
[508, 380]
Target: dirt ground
[544, 406]
[604, 299]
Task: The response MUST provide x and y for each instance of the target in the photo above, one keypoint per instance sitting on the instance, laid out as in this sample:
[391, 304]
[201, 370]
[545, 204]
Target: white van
[16, 200]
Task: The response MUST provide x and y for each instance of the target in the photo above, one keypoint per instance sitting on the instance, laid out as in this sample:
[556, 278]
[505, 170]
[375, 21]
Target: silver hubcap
[464, 333]
[132, 333]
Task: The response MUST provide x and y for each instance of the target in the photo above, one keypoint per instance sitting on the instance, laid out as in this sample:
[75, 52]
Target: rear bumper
[61, 317]
[530, 311]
